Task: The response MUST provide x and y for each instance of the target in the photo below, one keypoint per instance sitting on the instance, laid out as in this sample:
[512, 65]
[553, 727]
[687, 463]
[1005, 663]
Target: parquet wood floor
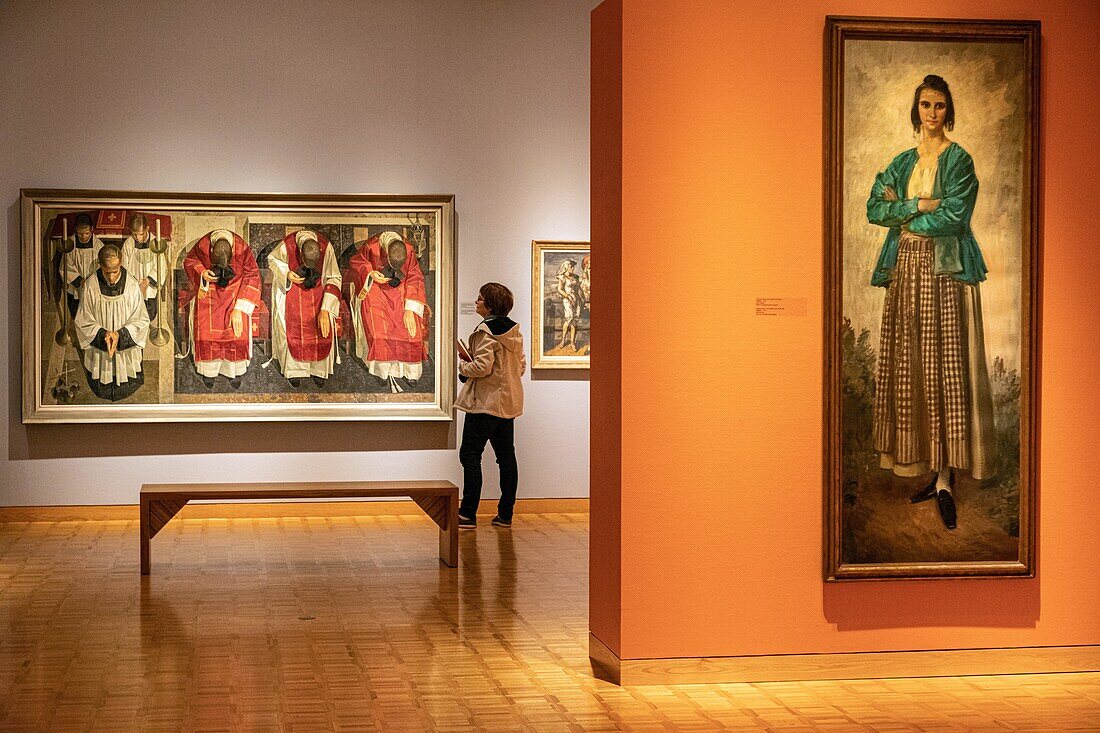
[351, 624]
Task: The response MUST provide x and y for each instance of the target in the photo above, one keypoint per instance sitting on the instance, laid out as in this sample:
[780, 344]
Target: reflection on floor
[349, 623]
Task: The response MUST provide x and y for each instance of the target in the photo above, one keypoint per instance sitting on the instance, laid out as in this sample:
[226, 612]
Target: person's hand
[926, 205]
[410, 323]
[143, 284]
[378, 277]
[112, 343]
[890, 194]
[324, 322]
[207, 278]
[295, 277]
[236, 321]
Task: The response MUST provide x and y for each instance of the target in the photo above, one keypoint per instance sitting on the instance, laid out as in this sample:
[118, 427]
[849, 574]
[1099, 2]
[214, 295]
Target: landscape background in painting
[988, 85]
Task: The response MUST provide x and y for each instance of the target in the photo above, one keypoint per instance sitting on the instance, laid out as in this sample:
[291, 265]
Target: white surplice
[112, 313]
[79, 262]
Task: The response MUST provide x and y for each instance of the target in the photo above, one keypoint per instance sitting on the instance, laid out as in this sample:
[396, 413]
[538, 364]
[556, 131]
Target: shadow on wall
[969, 602]
[30, 442]
[958, 603]
[559, 375]
[157, 439]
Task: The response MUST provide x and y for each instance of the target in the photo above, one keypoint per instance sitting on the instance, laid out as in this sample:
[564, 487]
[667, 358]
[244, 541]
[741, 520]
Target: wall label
[781, 306]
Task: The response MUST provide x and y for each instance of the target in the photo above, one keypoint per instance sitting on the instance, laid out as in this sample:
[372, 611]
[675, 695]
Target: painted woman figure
[586, 281]
[569, 288]
[933, 410]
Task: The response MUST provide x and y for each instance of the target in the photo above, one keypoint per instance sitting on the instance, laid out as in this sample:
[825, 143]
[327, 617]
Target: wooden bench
[438, 499]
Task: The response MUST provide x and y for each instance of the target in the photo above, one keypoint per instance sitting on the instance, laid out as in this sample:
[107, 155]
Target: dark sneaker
[466, 522]
[498, 522]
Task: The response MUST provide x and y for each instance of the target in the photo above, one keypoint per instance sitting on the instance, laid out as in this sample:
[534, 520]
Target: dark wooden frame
[839, 29]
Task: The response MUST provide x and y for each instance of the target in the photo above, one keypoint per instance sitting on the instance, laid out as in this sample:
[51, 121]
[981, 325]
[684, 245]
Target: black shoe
[207, 382]
[295, 382]
[924, 494]
[411, 382]
[235, 382]
[319, 381]
[946, 504]
[466, 522]
[498, 522]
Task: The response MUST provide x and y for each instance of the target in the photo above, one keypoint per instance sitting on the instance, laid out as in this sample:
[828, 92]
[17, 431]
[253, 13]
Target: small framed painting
[561, 286]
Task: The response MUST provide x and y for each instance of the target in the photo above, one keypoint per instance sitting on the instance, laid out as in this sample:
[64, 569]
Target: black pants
[500, 432]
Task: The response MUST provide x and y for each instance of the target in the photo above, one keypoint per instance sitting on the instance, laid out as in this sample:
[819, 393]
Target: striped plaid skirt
[933, 404]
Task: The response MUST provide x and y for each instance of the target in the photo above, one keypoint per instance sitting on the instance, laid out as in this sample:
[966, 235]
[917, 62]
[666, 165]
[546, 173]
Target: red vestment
[382, 311]
[303, 334]
[211, 330]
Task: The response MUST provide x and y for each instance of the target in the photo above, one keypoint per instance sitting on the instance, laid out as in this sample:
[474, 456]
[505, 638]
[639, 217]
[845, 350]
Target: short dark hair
[397, 252]
[137, 219]
[108, 252]
[936, 84]
[497, 298]
[83, 220]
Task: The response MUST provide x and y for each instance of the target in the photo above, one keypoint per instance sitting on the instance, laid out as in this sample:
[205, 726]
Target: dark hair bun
[934, 79]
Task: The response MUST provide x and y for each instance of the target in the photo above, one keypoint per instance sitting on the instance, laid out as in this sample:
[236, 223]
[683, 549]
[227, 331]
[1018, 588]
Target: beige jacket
[493, 383]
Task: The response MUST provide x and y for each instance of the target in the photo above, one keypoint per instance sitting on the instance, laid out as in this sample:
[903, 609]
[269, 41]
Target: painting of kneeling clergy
[252, 306]
[79, 261]
[389, 312]
[112, 325]
[305, 307]
[225, 290]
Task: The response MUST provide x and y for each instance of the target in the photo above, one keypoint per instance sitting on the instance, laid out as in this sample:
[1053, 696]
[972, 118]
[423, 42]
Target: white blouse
[923, 180]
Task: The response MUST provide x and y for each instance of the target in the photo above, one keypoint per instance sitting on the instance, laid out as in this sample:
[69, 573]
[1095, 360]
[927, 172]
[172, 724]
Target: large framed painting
[561, 286]
[932, 306]
[179, 306]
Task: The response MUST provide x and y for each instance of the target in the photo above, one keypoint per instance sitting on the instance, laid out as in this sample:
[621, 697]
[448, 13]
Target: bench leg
[155, 513]
[448, 535]
[443, 509]
[145, 536]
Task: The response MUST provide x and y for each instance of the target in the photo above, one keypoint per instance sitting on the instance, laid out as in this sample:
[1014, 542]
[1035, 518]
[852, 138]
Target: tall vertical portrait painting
[932, 253]
[178, 306]
[561, 291]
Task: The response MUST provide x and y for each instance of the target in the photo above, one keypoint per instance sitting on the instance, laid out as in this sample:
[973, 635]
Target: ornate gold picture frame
[560, 294]
[141, 307]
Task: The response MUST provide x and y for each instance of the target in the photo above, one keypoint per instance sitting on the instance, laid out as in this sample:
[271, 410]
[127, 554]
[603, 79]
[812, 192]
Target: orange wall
[717, 481]
[606, 410]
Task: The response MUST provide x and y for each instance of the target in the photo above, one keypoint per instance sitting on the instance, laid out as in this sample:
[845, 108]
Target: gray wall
[485, 100]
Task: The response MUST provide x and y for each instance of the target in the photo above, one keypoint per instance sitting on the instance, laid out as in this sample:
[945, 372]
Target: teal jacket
[957, 252]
